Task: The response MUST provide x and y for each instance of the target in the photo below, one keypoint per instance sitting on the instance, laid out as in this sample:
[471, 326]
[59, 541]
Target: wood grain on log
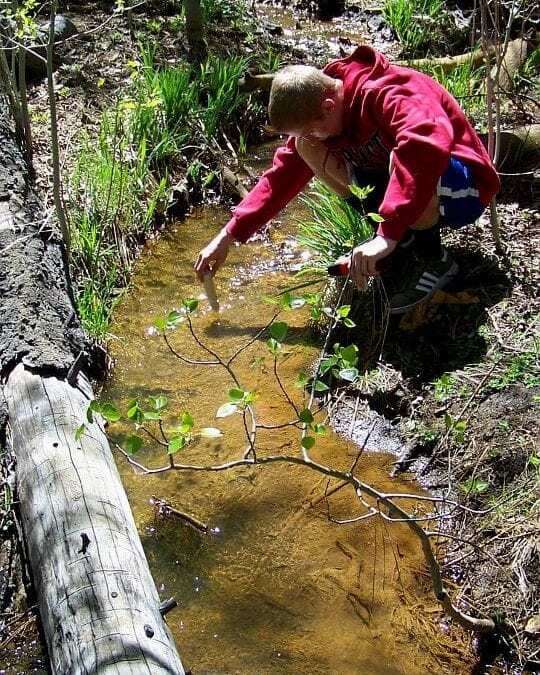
[99, 606]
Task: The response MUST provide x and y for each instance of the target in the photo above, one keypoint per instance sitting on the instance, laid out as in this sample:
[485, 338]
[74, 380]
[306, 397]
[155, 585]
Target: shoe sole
[445, 279]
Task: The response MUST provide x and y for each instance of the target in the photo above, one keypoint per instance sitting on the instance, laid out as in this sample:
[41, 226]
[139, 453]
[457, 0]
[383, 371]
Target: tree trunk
[98, 603]
[195, 28]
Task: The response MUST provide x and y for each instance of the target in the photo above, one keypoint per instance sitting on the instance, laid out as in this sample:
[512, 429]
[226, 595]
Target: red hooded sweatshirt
[387, 108]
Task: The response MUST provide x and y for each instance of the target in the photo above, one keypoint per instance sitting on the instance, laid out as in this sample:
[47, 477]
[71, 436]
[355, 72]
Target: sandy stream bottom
[276, 587]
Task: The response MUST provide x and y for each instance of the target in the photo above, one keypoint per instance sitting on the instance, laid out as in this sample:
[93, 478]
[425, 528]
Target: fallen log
[516, 52]
[98, 604]
[519, 149]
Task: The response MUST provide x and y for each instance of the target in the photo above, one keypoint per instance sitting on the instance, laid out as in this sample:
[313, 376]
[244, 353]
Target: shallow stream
[275, 587]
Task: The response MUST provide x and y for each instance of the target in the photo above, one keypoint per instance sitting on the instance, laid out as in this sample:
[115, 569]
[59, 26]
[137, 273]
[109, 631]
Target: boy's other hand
[213, 255]
[364, 258]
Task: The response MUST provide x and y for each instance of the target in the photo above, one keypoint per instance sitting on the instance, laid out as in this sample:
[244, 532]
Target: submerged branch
[465, 620]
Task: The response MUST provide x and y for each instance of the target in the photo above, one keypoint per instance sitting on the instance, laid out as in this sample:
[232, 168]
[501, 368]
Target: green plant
[456, 427]
[427, 435]
[342, 363]
[112, 199]
[524, 368]
[270, 61]
[474, 486]
[220, 97]
[334, 228]
[413, 21]
[503, 425]
[233, 13]
[445, 386]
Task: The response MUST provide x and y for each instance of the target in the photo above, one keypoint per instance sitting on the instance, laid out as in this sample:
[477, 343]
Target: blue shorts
[459, 202]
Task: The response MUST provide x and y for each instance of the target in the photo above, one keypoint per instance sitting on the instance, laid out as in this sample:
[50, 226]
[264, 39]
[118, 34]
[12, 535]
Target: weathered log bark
[98, 603]
[99, 606]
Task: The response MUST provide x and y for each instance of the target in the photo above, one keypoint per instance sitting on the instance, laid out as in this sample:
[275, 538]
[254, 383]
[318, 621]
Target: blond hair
[296, 96]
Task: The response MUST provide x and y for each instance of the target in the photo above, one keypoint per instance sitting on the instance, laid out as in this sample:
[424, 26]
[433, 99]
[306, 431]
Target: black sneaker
[436, 274]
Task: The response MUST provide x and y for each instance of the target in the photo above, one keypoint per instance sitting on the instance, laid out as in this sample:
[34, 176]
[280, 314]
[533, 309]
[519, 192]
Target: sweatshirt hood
[363, 64]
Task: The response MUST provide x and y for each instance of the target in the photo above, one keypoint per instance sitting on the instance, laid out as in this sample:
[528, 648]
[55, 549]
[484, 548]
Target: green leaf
[174, 319]
[187, 421]
[135, 412]
[343, 311]
[151, 415]
[79, 433]
[302, 380]
[94, 407]
[474, 486]
[190, 304]
[226, 409]
[160, 402]
[349, 374]
[236, 395]
[132, 444]
[249, 397]
[210, 432]
[176, 444]
[327, 363]
[349, 322]
[305, 416]
[321, 386]
[278, 330]
[349, 354]
[110, 412]
[376, 217]
[286, 300]
[319, 429]
[160, 324]
[273, 345]
[308, 442]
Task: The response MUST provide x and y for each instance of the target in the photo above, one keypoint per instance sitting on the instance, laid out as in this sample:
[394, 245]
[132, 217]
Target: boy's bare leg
[332, 171]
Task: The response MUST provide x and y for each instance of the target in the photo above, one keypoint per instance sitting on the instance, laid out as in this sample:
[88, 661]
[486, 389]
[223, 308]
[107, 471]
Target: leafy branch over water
[307, 417]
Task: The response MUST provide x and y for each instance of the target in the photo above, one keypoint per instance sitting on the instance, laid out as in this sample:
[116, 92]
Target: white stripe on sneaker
[429, 276]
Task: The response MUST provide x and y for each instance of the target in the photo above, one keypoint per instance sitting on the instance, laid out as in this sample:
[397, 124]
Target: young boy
[362, 120]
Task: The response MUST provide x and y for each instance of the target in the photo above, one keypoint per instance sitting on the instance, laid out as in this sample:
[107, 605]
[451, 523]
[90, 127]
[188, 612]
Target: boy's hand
[213, 255]
[364, 258]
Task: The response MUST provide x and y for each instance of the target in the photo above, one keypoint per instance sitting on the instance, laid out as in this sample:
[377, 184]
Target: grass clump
[112, 202]
[333, 229]
[413, 21]
[175, 110]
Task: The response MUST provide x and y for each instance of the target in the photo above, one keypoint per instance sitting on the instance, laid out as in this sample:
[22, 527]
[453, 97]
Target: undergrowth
[414, 22]
[333, 229]
[171, 120]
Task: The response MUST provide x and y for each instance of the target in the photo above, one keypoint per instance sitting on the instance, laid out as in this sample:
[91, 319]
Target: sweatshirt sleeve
[288, 175]
[423, 141]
